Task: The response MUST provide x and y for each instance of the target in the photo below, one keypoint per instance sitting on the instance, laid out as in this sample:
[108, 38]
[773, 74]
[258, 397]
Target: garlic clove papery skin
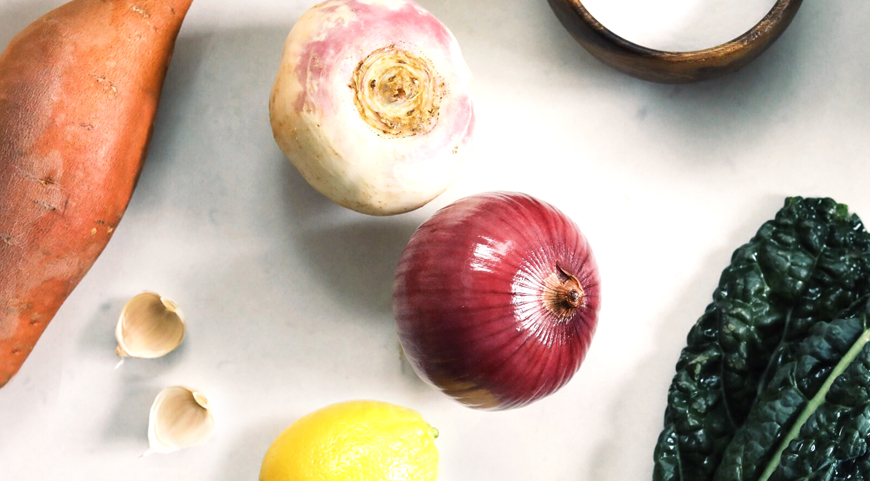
[179, 418]
[150, 326]
[372, 104]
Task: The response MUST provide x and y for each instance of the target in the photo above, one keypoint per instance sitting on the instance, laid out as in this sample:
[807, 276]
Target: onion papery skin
[373, 104]
[469, 300]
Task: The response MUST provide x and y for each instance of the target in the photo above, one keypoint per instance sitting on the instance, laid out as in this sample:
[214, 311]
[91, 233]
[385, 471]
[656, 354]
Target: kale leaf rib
[819, 399]
[832, 442]
[797, 389]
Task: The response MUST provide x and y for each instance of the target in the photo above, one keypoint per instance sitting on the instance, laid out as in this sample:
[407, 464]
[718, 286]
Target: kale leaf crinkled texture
[786, 313]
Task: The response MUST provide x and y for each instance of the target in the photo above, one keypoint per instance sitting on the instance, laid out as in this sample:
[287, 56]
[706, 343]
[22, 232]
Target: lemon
[354, 441]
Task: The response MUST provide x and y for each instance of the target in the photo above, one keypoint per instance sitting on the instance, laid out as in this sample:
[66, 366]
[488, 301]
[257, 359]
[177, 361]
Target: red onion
[496, 299]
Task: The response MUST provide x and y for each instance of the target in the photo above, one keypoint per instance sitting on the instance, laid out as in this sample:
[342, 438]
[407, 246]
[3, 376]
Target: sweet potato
[79, 89]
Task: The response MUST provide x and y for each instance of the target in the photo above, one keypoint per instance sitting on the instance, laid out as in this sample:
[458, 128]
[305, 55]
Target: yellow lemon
[354, 441]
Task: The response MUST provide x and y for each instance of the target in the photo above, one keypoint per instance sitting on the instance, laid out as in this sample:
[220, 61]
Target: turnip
[372, 103]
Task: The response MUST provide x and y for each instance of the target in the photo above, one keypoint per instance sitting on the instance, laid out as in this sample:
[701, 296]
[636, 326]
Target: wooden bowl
[673, 67]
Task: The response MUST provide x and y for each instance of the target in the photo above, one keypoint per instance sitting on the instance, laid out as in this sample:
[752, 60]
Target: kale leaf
[786, 312]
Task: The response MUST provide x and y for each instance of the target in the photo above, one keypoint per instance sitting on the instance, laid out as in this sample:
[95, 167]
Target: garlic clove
[150, 326]
[180, 418]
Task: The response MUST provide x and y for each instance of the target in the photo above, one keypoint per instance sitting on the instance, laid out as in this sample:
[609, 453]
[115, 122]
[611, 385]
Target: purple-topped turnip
[372, 103]
[496, 300]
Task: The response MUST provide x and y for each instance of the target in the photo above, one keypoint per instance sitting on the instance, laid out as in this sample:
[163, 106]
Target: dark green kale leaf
[801, 269]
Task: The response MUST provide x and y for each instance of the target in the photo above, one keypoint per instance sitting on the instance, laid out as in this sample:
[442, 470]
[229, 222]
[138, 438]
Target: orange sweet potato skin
[79, 89]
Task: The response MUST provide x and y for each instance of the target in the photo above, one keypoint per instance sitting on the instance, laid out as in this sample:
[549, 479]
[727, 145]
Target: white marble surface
[288, 296]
